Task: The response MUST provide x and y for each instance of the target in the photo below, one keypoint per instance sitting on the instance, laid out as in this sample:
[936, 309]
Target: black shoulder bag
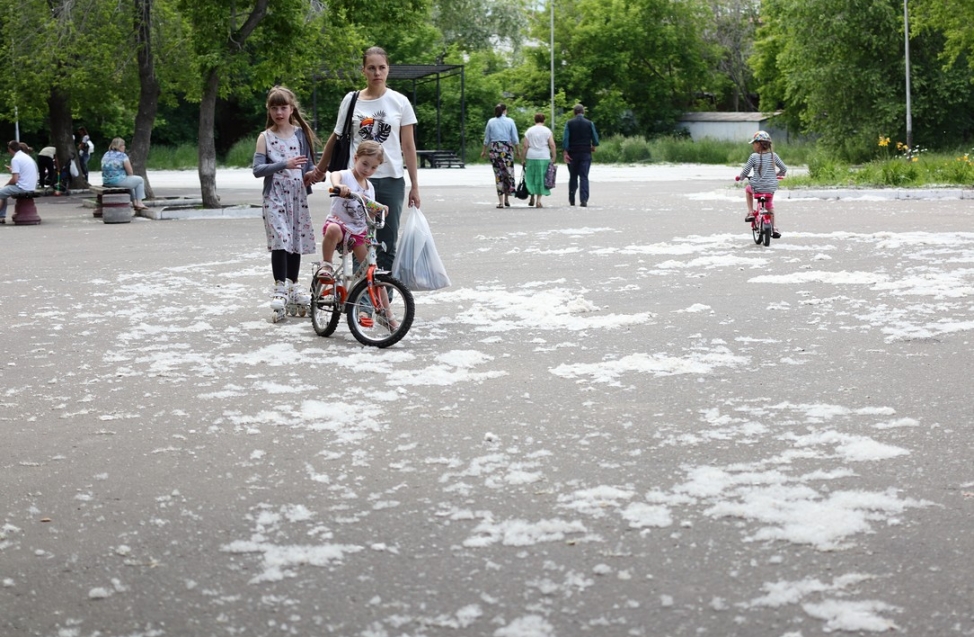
[343, 146]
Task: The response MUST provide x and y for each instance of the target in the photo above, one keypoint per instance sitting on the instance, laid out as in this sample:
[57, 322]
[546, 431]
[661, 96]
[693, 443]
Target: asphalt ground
[627, 419]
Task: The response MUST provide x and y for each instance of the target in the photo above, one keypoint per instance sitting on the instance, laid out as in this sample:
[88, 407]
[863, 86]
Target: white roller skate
[298, 301]
[279, 298]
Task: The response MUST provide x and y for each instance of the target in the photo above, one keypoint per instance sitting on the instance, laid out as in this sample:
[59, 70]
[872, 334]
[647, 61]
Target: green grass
[929, 170]
[182, 157]
[241, 154]
[186, 157]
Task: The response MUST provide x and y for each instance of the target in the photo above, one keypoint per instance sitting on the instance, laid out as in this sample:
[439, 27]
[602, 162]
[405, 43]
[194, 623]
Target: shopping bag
[417, 264]
[549, 176]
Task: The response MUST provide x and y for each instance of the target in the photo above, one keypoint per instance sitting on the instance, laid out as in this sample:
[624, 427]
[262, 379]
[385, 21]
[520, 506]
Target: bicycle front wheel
[325, 309]
[386, 324]
[756, 231]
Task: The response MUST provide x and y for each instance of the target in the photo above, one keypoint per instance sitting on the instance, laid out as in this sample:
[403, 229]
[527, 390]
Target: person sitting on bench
[23, 176]
[116, 172]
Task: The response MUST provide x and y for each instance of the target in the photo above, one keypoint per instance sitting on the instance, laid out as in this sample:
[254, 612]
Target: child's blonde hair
[370, 148]
[283, 96]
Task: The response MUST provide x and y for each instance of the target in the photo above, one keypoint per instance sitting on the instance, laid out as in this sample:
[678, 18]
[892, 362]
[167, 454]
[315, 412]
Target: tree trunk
[211, 91]
[149, 91]
[207, 142]
[62, 133]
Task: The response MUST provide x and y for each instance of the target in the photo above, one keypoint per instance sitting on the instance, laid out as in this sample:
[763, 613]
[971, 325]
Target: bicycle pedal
[366, 321]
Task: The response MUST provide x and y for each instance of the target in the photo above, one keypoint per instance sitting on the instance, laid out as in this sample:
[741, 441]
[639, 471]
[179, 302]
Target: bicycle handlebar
[378, 210]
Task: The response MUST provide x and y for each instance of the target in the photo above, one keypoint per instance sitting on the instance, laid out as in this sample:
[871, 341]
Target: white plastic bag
[417, 264]
[74, 168]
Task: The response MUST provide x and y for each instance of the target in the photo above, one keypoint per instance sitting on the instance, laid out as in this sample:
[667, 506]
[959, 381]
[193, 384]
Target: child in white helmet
[764, 181]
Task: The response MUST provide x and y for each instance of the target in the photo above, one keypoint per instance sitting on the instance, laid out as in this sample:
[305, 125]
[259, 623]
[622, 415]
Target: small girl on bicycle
[346, 227]
[764, 182]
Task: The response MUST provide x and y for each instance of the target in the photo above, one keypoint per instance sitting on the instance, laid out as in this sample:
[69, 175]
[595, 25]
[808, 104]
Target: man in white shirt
[23, 176]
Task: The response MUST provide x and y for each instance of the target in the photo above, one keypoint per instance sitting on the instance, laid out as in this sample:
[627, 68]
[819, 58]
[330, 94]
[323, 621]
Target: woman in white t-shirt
[539, 151]
[384, 116]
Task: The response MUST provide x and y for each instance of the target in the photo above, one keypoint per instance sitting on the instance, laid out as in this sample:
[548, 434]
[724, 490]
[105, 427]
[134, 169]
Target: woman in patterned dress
[501, 144]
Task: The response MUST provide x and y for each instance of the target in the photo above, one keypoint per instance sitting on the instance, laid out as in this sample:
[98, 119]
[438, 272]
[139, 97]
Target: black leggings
[285, 265]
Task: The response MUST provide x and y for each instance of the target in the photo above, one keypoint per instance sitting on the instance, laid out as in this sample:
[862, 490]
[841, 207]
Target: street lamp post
[551, 46]
[906, 48]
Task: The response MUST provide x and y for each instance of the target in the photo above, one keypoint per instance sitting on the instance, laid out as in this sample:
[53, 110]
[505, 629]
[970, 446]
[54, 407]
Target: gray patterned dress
[287, 218]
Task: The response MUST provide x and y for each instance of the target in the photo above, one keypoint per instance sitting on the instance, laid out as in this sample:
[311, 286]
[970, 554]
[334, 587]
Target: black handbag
[521, 192]
[342, 151]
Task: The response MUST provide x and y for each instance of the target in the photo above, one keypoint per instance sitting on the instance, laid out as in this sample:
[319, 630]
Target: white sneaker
[297, 296]
[279, 296]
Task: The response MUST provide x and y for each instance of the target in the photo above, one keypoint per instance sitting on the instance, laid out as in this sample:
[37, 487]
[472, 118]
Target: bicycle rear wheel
[325, 309]
[380, 327]
[767, 234]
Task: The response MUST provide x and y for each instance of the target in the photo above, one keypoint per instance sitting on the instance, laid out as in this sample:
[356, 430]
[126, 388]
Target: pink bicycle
[762, 220]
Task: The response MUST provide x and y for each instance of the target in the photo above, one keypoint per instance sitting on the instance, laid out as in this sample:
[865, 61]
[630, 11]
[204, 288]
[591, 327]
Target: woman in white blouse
[539, 152]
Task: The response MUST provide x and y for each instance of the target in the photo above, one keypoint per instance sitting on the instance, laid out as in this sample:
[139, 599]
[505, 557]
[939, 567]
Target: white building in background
[731, 126]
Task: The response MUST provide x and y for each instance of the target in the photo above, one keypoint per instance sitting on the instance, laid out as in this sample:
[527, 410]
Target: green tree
[735, 22]
[149, 89]
[242, 48]
[58, 56]
[637, 64]
[481, 25]
[954, 19]
[843, 79]
[221, 41]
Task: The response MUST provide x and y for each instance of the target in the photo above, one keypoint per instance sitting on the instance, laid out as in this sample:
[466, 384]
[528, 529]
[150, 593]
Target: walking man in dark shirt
[579, 143]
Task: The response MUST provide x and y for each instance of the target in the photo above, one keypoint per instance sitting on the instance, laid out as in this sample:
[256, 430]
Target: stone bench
[116, 202]
[25, 210]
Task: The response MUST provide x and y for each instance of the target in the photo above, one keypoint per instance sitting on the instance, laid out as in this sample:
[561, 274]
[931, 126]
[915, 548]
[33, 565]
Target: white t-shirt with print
[379, 120]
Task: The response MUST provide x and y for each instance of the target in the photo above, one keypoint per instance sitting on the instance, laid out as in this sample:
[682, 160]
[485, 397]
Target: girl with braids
[765, 180]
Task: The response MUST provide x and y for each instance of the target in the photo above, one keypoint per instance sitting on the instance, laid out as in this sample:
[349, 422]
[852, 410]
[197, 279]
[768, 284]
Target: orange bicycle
[379, 308]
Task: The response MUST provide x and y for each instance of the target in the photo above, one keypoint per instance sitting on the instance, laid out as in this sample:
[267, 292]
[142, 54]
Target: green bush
[634, 150]
[824, 169]
[610, 150]
[895, 173]
[629, 150]
[704, 151]
[241, 154]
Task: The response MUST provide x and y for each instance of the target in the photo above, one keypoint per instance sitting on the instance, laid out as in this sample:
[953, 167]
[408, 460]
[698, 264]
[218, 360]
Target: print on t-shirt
[375, 127]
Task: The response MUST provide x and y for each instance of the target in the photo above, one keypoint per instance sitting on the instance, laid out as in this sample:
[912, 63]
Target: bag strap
[347, 129]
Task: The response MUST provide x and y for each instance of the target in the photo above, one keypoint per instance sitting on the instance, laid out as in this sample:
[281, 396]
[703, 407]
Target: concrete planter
[116, 208]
